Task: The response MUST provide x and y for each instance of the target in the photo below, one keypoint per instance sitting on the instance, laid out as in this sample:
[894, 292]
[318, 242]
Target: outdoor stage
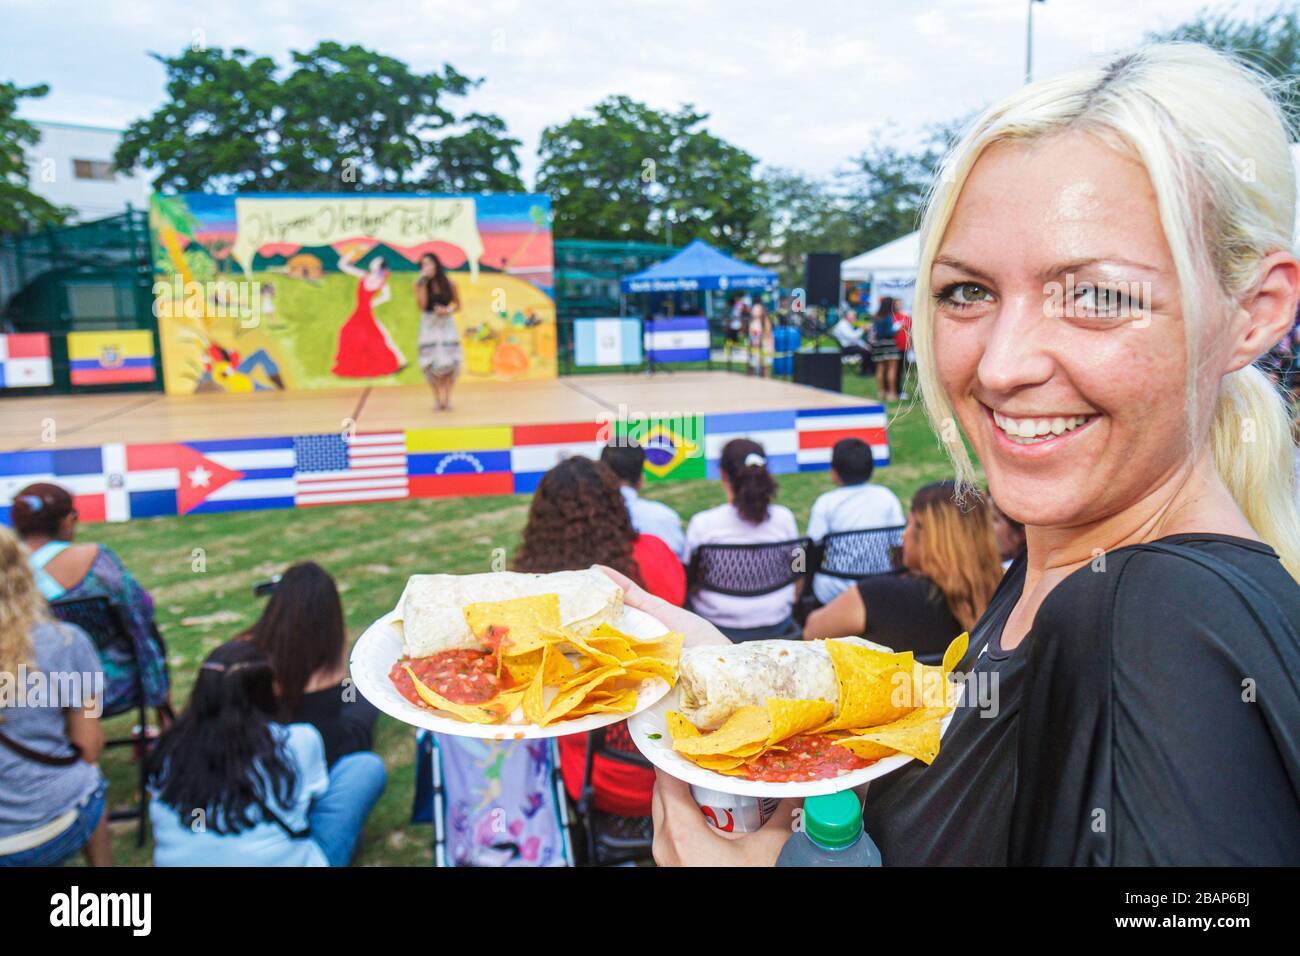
[131, 455]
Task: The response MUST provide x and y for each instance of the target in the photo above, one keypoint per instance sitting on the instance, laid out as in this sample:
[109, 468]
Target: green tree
[630, 172]
[340, 119]
[20, 208]
[1270, 43]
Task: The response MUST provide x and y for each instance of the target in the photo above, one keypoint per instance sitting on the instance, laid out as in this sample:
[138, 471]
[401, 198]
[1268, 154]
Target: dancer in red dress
[365, 349]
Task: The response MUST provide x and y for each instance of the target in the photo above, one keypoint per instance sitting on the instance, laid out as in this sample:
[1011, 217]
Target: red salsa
[807, 757]
[463, 677]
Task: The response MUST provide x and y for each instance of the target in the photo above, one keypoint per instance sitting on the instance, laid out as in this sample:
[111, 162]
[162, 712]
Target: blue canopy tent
[699, 267]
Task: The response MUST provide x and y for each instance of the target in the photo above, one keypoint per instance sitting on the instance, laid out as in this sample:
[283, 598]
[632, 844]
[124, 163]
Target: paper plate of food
[509, 656]
[786, 718]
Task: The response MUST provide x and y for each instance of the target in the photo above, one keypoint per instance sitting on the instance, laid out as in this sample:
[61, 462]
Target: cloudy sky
[801, 85]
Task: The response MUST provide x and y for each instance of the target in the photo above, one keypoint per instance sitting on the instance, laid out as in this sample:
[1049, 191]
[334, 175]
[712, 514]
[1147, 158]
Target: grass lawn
[201, 570]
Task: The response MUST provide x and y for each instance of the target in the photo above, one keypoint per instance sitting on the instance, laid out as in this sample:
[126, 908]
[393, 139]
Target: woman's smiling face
[1058, 330]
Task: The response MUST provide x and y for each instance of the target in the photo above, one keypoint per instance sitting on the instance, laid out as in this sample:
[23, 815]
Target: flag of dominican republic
[607, 341]
[110, 358]
[25, 360]
[335, 469]
[450, 462]
[539, 448]
[820, 428]
[684, 339]
[118, 482]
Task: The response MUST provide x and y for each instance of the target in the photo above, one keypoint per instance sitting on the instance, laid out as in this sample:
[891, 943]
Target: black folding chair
[749, 570]
[109, 629]
[612, 839]
[852, 555]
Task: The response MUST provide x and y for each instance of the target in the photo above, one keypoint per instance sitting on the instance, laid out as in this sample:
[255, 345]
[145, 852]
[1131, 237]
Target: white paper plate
[658, 749]
[378, 649]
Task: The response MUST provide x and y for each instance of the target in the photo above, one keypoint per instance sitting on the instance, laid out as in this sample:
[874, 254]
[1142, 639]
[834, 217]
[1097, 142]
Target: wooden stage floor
[97, 419]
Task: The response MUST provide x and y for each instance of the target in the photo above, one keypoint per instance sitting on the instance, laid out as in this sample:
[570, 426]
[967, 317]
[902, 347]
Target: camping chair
[492, 803]
[611, 839]
[107, 625]
[852, 555]
[749, 570]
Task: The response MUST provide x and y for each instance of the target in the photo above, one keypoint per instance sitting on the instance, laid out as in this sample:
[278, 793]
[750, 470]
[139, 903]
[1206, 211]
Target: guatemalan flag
[684, 339]
[118, 482]
[611, 341]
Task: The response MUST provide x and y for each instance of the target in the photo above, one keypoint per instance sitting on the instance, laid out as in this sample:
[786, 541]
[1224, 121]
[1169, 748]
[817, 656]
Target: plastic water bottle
[832, 834]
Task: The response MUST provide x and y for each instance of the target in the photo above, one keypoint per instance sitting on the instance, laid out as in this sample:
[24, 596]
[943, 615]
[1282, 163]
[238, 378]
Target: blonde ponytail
[1251, 438]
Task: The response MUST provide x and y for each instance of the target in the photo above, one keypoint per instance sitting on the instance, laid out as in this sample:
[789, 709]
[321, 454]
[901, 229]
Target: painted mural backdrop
[274, 291]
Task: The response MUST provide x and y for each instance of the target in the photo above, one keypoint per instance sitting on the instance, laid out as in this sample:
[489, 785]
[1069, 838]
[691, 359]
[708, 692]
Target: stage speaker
[822, 279]
[821, 369]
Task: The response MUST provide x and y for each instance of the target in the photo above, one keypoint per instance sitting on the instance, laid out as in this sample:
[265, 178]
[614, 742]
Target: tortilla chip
[486, 713]
[679, 726]
[747, 727]
[955, 652]
[517, 626]
[915, 734]
[575, 690]
[790, 717]
[868, 681]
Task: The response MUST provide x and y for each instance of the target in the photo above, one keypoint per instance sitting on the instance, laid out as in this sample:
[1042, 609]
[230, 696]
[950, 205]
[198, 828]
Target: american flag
[334, 469]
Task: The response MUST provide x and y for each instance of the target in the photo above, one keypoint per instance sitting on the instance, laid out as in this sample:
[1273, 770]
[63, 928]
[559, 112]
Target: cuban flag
[205, 477]
[684, 339]
[820, 428]
[775, 431]
[25, 360]
[336, 469]
[609, 341]
[539, 448]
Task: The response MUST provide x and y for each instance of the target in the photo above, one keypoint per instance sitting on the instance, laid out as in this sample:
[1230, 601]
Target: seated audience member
[578, 519]
[951, 569]
[855, 505]
[648, 517]
[1009, 534]
[747, 517]
[46, 521]
[851, 340]
[301, 630]
[52, 795]
[232, 786]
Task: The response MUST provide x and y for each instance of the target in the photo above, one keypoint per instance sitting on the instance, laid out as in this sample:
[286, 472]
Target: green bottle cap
[833, 821]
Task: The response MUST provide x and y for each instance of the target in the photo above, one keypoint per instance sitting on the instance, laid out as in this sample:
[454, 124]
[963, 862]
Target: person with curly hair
[578, 518]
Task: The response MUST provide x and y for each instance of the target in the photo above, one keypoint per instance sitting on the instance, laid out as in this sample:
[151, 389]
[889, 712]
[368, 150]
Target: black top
[908, 612]
[436, 293]
[1151, 716]
[347, 725]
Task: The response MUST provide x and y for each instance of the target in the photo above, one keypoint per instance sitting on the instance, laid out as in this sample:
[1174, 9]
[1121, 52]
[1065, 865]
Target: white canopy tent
[891, 268]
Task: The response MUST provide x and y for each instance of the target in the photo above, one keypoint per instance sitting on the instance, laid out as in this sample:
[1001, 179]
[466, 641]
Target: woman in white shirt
[748, 517]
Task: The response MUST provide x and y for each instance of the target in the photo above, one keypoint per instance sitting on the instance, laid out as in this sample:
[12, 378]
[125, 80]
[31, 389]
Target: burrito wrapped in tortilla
[715, 681]
[431, 609]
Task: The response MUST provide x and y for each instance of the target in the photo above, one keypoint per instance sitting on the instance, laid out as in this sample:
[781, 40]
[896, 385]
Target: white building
[72, 165]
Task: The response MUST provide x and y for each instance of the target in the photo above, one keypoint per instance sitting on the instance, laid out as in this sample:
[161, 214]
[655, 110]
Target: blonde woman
[52, 795]
[950, 570]
[1105, 256]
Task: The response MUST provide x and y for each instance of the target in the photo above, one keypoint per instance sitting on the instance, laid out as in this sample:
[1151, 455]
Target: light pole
[1029, 42]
